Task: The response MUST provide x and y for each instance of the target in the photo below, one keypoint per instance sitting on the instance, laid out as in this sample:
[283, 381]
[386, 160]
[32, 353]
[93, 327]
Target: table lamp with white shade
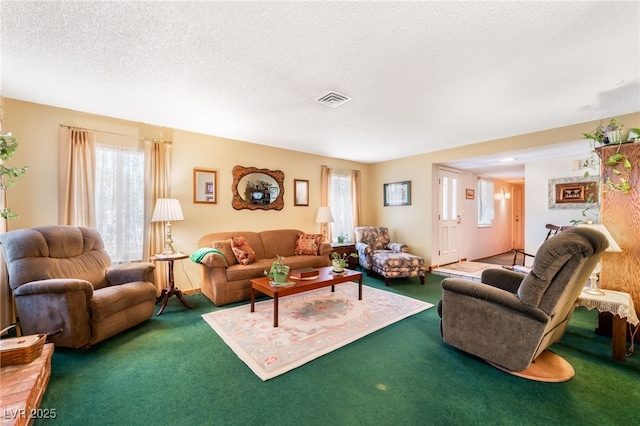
[324, 217]
[167, 210]
[613, 247]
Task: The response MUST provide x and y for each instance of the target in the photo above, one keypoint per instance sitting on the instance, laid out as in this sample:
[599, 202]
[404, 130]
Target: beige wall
[35, 196]
[415, 224]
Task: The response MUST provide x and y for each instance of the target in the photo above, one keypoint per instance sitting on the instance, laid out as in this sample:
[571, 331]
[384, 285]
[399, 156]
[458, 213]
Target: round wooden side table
[171, 289]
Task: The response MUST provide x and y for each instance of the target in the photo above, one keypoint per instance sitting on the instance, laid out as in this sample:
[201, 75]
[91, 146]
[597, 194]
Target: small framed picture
[205, 186]
[208, 188]
[300, 192]
[469, 193]
[397, 193]
[571, 194]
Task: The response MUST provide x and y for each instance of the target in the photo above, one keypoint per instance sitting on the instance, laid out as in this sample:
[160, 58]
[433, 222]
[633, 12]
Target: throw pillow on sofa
[308, 244]
[224, 247]
[243, 251]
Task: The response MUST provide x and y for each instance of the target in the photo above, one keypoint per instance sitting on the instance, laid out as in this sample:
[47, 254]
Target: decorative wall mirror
[257, 189]
[205, 186]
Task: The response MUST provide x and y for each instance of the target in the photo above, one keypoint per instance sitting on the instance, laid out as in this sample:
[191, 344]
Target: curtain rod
[339, 168]
[110, 133]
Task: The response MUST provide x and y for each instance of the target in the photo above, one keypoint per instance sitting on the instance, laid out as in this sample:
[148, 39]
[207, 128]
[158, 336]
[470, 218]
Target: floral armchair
[376, 253]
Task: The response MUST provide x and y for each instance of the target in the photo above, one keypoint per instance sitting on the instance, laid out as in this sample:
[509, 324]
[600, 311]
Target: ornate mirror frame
[238, 202]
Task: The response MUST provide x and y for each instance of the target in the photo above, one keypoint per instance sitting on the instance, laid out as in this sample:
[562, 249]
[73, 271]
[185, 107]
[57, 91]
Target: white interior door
[448, 216]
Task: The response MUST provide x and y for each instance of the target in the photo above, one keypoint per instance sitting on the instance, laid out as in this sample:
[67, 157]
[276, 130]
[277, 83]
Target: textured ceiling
[423, 75]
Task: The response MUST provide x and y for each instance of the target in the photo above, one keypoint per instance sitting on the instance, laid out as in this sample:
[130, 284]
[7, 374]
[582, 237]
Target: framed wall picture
[397, 193]
[573, 193]
[469, 193]
[205, 186]
[300, 192]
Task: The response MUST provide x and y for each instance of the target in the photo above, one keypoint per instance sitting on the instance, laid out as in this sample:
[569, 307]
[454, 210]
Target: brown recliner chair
[62, 279]
[510, 319]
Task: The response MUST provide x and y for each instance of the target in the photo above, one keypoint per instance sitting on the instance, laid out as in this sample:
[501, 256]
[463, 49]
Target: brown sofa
[223, 283]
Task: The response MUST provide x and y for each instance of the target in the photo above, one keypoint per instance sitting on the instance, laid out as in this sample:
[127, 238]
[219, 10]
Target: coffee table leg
[360, 288]
[253, 299]
[275, 310]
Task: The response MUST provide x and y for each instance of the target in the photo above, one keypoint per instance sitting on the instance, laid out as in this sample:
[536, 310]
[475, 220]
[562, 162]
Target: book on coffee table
[304, 273]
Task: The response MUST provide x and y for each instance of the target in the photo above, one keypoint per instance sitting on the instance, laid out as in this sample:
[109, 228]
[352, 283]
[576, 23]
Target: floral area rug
[311, 324]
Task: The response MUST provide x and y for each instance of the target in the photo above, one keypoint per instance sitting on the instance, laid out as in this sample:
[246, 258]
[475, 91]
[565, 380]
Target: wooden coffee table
[325, 279]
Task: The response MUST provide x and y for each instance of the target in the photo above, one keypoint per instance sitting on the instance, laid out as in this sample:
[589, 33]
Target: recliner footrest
[398, 265]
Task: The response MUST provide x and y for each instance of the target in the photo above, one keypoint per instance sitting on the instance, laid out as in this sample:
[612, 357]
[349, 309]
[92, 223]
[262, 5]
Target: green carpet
[172, 370]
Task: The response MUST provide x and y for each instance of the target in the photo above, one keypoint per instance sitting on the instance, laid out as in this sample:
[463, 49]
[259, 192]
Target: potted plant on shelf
[279, 272]
[619, 163]
[339, 262]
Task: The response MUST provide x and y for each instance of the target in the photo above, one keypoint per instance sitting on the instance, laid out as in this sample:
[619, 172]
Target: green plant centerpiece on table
[279, 272]
[339, 262]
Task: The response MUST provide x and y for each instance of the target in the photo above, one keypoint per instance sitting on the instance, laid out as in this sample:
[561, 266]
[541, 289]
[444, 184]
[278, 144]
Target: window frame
[485, 202]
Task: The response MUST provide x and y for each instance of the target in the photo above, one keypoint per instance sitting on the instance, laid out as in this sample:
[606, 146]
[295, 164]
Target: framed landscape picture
[397, 193]
[573, 193]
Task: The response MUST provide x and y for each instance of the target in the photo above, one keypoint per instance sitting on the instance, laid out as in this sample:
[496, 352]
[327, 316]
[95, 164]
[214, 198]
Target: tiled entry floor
[468, 270]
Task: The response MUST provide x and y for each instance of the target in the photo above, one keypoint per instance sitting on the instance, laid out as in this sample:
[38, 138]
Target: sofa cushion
[243, 251]
[224, 246]
[253, 238]
[303, 261]
[281, 242]
[247, 272]
[308, 244]
[257, 269]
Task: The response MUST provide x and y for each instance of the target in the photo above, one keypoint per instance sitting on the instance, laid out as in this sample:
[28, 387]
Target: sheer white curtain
[340, 190]
[119, 201]
[341, 203]
[485, 202]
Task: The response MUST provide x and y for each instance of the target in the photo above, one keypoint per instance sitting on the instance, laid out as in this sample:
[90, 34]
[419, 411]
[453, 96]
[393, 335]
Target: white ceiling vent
[334, 99]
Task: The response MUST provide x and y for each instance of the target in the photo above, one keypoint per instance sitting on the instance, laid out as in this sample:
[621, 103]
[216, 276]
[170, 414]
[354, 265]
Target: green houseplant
[339, 262]
[618, 162]
[279, 272]
[8, 146]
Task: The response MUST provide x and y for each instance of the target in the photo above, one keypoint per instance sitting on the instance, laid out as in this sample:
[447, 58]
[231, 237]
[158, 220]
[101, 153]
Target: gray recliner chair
[62, 279]
[510, 319]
